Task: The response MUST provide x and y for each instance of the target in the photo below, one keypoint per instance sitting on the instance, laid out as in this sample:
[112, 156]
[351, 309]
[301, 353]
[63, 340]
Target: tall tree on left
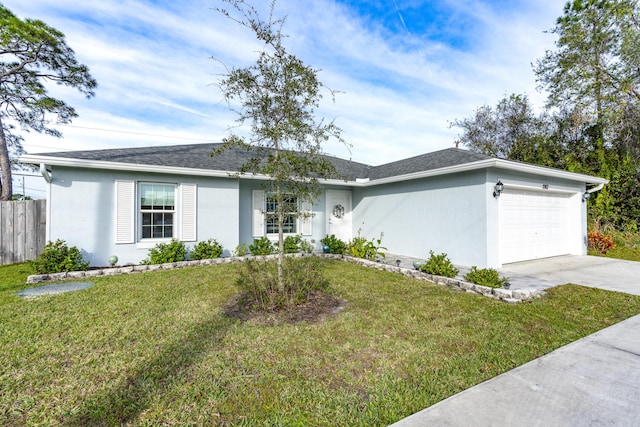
[33, 54]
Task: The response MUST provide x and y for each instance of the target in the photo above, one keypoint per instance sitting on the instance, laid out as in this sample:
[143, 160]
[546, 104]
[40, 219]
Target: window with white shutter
[265, 221]
[155, 211]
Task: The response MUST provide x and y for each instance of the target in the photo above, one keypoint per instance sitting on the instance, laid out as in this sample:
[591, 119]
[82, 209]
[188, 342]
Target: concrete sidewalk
[594, 381]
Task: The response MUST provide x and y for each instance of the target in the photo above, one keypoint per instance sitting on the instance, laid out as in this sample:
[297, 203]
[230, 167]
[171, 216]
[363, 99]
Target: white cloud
[401, 90]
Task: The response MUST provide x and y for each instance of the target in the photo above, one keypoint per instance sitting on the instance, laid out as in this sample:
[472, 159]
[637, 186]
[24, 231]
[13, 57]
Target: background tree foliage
[277, 96]
[32, 54]
[592, 119]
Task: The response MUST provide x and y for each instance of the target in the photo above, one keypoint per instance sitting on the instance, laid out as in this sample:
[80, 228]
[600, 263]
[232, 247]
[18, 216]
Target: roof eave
[481, 164]
[135, 167]
[488, 163]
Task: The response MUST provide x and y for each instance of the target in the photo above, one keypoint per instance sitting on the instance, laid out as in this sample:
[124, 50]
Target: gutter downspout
[594, 189]
[47, 177]
[45, 173]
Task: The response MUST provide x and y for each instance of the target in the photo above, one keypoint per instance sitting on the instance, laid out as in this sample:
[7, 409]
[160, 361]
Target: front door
[338, 213]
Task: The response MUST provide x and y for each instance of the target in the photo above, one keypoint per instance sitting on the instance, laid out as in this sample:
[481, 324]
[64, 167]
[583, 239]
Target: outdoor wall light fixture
[585, 196]
[498, 188]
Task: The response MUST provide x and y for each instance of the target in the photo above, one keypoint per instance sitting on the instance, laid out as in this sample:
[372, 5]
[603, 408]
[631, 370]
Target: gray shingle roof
[425, 162]
[197, 156]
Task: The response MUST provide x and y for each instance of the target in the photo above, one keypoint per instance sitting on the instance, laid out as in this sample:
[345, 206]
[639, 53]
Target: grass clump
[439, 265]
[486, 277]
[58, 257]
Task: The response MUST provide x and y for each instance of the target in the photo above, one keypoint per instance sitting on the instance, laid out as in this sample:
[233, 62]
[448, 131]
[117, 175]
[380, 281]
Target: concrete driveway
[597, 272]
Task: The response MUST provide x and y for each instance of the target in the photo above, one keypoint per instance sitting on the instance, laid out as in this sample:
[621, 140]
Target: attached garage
[537, 224]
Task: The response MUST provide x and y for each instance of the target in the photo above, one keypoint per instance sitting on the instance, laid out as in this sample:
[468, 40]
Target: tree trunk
[6, 185]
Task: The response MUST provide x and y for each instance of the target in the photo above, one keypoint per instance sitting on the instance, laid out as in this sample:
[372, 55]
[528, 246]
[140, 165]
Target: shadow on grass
[123, 402]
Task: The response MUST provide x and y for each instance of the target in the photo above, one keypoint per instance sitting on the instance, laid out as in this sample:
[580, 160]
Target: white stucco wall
[445, 214]
[82, 211]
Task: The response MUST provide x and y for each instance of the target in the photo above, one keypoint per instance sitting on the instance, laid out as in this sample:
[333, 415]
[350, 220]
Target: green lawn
[156, 349]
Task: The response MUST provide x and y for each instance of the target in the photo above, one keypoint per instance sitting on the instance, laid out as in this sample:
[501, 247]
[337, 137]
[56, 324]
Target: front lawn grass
[157, 349]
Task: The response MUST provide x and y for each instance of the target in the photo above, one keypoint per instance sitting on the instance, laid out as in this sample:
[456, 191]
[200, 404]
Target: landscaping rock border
[506, 295]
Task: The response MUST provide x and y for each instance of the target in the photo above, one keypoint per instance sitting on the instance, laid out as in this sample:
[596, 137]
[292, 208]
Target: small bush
[261, 246]
[600, 243]
[486, 277]
[57, 257]
[306, 246]
[258, 283]
[207, 250]
[439, 265]
[162, 253]
[335, 245]
[292, 244]
[360, 247]
[241, 250]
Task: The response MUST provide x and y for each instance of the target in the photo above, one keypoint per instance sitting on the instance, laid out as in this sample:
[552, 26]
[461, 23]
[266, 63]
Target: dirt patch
[320, 307]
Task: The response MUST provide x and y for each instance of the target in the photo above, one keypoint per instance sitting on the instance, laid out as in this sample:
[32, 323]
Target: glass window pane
[146, 194]
[169, 199]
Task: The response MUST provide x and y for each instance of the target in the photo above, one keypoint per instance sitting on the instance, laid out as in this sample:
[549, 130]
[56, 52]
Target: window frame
[269, 215]
[140, 213]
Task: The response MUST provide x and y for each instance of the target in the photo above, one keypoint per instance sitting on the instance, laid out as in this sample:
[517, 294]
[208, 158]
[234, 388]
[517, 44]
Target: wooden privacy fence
[22, 230]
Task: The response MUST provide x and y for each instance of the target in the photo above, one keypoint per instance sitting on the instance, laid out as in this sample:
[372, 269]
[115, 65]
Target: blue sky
[404, 68]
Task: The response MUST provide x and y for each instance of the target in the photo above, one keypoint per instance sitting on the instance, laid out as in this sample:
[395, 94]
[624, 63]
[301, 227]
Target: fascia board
[136, 167]
[484, 164]
[132, 167]
[555, 173]
[426, 174]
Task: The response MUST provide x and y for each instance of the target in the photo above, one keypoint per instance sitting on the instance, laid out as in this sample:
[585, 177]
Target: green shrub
[261, 246]
[360, 247]
[241, 250]
[207, 250]
[335, 245]
[292, 244]
[162, 253]
[306, 246]
[439, 265]
[258, 282]
[57, 257]
[486, 277]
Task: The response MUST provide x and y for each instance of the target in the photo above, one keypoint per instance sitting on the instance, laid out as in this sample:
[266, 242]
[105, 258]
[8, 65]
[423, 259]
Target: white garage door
[533, 224]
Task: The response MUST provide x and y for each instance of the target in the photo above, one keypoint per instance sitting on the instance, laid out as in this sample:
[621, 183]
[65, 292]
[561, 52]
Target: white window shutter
[258, 213]
[188, 212]
[306, 219]
[125, 211]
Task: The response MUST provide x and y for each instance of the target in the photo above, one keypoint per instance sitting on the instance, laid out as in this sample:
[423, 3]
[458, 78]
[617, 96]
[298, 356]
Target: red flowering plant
[600, 243]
